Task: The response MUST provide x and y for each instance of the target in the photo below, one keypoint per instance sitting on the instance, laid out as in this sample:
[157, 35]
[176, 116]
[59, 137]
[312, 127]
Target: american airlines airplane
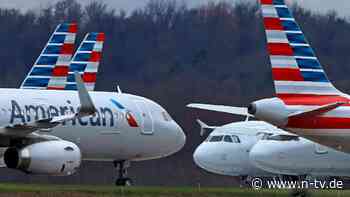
[47, 129]
[306, 102]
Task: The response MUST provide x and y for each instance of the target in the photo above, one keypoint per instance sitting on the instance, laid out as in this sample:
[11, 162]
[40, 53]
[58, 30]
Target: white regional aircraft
[226, 149]
[50, 131]
[297, 156]
[259, 149]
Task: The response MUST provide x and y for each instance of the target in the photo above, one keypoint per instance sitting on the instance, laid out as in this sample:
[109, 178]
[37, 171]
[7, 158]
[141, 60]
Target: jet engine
[272, 110]
[57, 158]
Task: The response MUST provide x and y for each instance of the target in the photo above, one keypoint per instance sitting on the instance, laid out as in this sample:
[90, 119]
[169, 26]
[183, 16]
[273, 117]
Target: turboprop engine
[57, 158]
[271, 110]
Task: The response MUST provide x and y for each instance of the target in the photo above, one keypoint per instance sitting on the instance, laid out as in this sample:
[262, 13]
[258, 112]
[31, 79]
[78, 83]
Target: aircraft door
[147, 122]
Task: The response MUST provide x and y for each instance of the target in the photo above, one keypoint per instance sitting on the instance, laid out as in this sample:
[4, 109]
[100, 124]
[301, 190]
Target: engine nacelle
[57, 158]
[272, 110]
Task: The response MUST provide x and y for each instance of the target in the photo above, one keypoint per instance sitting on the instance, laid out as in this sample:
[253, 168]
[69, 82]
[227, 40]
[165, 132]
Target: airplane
[297, 156]
[226, 149]
[50, 130]
[258, 149]
[306, 103]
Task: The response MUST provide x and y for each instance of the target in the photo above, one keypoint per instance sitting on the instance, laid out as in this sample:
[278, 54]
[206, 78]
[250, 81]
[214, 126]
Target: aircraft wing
[87, 108]
[243, 111]
[316, 111]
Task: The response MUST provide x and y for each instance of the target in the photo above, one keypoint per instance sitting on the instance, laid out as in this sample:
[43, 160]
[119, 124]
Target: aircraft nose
[200, 156]
[180, 137]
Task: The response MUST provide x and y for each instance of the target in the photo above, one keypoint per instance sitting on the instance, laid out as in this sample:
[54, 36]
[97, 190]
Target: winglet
[204, 127]
[87, 107]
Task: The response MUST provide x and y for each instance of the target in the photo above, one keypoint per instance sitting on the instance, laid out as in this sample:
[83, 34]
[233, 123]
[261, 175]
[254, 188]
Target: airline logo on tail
[308, 98]
[296, 70]
[51, 68]
[86, 61]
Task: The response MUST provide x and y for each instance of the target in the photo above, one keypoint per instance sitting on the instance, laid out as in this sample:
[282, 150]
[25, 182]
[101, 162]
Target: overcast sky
[340, 6]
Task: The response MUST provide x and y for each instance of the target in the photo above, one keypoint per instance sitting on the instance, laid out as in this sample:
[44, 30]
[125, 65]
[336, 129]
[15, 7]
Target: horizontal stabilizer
[316, 111]
[242, 111]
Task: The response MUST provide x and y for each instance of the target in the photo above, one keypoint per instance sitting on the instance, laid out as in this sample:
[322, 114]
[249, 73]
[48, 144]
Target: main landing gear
[122, 169]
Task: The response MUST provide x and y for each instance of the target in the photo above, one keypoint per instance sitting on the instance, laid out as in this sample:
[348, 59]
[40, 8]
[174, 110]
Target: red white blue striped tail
[86, 61]
[295, 68]
[50, 70]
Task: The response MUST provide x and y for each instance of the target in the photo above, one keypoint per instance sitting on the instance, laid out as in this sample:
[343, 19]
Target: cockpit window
[216, 138]
[236, 139]
[228, 138]
[282, 138]
[266, 136]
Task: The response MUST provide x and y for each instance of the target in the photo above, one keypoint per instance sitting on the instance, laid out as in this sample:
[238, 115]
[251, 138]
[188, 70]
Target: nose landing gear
[122, 169]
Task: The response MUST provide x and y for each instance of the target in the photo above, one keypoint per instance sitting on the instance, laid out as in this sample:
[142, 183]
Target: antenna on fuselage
[119, 91]
[247, 118]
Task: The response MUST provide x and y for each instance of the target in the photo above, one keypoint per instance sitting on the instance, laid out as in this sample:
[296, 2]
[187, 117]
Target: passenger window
[228, 138]
[217, 138]
[236, 139]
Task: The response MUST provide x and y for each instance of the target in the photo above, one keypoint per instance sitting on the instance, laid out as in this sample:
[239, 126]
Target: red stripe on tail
[311, 99]
[95, 56]
[60, 71]
[287, 74]
[268, 2]
[67, 48]
[73, 28]
[273, 23]
[280, 49]
[100, 37]
[89, 77]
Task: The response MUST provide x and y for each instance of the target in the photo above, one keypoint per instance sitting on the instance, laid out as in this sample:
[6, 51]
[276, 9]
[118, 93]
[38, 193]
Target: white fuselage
[253, 156]
[299, 157]
[107, 135]
[232, 158]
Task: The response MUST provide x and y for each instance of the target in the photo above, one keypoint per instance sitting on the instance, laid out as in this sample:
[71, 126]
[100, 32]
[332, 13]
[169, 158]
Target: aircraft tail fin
[51, 68]
[296, 70]
[204, 127]
[86, 61]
